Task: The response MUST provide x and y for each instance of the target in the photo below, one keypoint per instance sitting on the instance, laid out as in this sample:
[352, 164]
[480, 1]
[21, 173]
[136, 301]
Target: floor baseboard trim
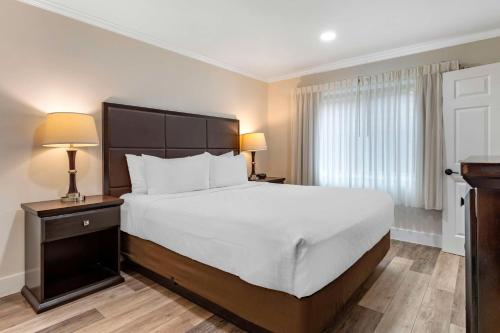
[417, 237]
[11, 284]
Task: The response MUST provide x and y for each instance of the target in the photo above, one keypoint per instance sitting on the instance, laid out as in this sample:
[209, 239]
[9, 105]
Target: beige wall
[472, 54]
[278, 123]
[50, 63]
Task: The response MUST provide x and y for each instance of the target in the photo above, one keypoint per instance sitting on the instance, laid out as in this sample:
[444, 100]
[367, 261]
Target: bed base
[250, 307]
[172, 285]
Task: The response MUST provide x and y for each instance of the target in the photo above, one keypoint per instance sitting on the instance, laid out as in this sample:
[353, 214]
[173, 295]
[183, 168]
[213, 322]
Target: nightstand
[277, 180]
[72, 249]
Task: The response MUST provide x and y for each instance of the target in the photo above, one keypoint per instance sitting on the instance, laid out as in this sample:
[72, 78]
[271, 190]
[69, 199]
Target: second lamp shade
[253, 142]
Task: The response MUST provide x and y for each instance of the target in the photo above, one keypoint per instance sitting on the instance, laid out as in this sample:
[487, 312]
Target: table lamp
[71, 131]
[253, 142]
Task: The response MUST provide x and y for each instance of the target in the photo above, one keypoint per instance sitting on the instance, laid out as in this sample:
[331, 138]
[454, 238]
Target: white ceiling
[275, 39]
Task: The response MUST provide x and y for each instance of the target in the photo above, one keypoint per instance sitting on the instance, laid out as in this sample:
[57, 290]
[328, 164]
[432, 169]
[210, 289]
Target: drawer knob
[86, 223]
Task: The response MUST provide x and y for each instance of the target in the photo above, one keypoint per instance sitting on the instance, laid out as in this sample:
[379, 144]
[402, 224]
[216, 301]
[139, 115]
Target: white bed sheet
[290, 238]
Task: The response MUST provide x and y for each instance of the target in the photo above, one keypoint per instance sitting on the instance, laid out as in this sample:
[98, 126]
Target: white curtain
[430, 103]
[305, 105]
[382, 131]
[369, 135]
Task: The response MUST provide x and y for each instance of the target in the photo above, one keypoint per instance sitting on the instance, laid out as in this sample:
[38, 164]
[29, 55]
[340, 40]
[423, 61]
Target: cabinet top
[57, 207]
[482, 171]
[482, 160]
[271, 179]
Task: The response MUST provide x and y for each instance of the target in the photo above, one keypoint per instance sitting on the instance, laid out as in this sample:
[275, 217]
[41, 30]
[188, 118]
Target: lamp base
[253, 176]
[73, 197]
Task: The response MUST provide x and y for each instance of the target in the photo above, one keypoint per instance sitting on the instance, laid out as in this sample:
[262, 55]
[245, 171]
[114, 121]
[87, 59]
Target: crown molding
[390, 54]
[132, 33]
[343, 63]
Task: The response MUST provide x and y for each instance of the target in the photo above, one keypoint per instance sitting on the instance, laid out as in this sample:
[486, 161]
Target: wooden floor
[414, 289]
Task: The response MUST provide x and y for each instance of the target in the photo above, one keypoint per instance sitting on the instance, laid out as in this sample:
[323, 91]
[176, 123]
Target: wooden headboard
[137, 130]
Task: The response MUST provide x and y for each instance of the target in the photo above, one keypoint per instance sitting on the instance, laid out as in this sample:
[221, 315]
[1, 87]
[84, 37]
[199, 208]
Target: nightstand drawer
[80, 223]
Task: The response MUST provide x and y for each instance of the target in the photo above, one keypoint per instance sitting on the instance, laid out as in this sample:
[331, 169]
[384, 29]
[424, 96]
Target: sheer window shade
[382, 132]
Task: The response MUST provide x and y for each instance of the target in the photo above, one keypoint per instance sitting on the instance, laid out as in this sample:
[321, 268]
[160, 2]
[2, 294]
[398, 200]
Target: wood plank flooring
[414, 289]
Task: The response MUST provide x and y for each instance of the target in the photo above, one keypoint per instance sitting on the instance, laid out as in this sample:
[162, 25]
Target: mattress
[295, 239]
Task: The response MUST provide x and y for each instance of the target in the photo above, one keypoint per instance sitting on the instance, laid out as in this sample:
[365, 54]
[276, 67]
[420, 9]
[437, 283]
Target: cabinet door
[486, 263]
[470, 262]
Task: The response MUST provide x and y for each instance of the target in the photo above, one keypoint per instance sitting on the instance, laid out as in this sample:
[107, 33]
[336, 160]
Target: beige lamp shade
[253, 142]
[64, 129]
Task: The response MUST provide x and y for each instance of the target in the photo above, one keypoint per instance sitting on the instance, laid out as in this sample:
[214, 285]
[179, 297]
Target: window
[368, 135]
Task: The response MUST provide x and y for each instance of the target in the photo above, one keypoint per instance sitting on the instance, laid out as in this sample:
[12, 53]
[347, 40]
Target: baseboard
[417, 237]
[11, 284]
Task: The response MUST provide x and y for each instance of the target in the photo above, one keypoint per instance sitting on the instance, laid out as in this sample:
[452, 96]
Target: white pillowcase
[137, 174]
[228, 154]
[175, 175]
[226, 170]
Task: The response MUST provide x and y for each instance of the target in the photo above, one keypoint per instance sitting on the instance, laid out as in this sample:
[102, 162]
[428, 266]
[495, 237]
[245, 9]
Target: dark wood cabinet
[482, 244]
[71, 249]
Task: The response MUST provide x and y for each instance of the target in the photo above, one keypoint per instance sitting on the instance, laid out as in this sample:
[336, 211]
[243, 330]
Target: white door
[471, 110]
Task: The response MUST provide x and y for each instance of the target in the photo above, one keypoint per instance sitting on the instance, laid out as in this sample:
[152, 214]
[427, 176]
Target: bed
[265, 256]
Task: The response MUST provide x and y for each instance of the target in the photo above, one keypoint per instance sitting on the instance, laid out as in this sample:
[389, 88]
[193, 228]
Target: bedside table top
[57, 207]
[271, 180]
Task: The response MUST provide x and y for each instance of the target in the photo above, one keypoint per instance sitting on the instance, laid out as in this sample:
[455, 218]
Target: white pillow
[137, 174]
[175, 175]
[228, 154]
[227, 170]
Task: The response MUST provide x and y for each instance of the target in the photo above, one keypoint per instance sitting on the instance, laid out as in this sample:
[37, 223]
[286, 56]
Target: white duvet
[294, 239]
